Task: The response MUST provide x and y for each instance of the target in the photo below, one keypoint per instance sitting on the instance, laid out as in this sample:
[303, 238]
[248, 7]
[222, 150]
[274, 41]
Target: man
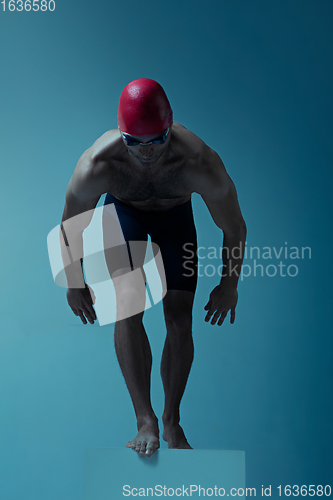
[150, 166]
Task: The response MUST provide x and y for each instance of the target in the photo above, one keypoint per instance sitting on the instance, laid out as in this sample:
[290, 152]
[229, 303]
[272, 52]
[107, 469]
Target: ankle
[147, 421]
[170, 420]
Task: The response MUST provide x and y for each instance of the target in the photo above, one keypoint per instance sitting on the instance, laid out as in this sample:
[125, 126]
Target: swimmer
[149, 166]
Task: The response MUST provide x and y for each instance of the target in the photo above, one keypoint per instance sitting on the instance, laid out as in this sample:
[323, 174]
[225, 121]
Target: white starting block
[118, 473]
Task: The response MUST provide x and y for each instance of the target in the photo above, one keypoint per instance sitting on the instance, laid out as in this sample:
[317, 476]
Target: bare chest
[132, 184]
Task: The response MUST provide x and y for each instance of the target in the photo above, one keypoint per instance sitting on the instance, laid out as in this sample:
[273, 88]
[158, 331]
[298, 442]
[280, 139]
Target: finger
[83, 319]
[74, 311]
[232, 315]
[209, 314]
[215, 317]
[207, 306]
[88, 307]
[88, 315]
[222, 318]
[92, 312]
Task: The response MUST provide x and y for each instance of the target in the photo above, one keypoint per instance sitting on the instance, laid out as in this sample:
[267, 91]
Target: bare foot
[146, 442]
[175, 437]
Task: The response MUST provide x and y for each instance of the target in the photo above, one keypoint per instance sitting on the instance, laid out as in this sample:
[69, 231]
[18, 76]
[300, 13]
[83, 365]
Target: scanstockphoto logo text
[269, 261]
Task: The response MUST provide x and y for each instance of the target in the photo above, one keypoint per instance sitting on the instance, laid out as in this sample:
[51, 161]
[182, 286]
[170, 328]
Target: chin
[154, 160]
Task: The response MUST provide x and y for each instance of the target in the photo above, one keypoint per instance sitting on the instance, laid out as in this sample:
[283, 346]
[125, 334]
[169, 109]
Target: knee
[179, 331]
[178, 313]
[131, 323]
[130, 294]
[179, 323]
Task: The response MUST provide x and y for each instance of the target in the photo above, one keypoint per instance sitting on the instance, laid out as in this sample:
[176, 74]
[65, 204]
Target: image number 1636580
[28, 5]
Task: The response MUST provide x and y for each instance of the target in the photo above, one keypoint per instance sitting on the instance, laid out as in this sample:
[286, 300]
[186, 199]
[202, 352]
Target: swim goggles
[131, 142]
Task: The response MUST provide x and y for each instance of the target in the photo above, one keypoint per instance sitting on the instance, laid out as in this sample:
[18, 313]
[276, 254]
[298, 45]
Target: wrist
[228, 284]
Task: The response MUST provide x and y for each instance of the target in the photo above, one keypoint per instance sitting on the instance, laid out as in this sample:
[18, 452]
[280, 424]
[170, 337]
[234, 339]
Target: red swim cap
[144, 108]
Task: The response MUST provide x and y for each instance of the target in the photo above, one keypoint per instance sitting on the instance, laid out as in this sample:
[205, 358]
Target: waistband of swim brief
[110, 198]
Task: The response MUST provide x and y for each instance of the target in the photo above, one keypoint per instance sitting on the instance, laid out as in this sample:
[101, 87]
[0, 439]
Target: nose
[146, 151]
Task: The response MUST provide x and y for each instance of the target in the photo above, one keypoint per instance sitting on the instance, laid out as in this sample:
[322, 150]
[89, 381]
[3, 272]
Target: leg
[124, 262]
[176, 362]
[177, 230]
[135, 359]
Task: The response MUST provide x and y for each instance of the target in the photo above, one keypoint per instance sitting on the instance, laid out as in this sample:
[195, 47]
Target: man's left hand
[220, 302]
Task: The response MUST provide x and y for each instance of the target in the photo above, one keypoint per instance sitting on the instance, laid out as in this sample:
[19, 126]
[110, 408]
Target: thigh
[178, 244]
[125, 241]
[125, 238]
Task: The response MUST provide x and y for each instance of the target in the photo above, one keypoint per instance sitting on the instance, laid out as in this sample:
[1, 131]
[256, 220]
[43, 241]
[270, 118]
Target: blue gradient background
[253, 79]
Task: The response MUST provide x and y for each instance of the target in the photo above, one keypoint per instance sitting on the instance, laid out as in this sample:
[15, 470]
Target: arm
[82, 195]
[219, 194]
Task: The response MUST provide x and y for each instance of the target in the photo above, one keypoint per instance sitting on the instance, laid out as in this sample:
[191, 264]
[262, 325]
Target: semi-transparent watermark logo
[267, 261]
[126, 277]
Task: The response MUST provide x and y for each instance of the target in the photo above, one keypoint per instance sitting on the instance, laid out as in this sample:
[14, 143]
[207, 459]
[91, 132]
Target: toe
[151, 448]
[137, 446]
[143, 448]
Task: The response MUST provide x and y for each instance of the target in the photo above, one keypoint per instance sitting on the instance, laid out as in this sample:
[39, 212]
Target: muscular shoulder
[206, 173]
[190, 144]
[88, 179]
[106, 147]
[92, 171]
[211, 178]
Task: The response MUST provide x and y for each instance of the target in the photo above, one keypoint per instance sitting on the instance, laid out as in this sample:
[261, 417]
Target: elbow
[244, 227]
[240, 226]
[238, 231]
[243, 230]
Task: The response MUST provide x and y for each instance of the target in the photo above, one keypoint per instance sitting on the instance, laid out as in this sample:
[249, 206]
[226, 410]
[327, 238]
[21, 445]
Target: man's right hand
[81, 302]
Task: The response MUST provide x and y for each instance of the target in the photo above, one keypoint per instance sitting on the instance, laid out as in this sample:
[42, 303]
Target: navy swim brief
[170, 229]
